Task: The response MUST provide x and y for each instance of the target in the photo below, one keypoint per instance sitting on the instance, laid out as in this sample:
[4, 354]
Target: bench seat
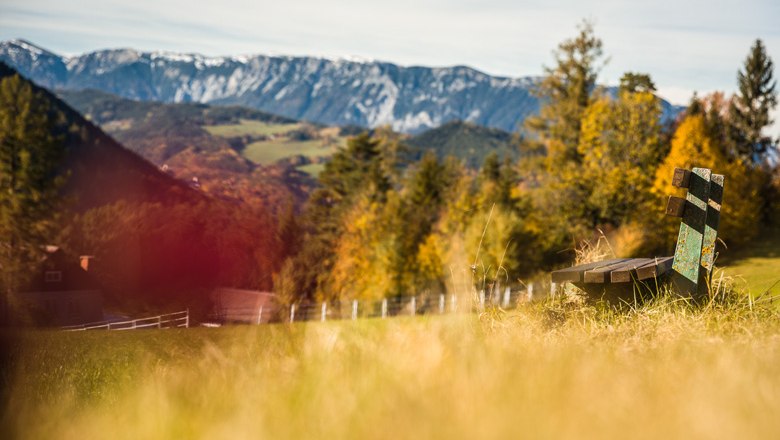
[616, 270]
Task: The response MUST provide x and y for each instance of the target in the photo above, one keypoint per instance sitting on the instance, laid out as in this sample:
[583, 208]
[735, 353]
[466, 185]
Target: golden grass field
[550, 369]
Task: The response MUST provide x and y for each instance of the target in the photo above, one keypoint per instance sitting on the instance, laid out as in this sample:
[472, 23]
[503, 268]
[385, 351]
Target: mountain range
[327, 91]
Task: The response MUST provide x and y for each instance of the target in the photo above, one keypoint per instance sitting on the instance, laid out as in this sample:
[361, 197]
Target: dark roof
[71, 275]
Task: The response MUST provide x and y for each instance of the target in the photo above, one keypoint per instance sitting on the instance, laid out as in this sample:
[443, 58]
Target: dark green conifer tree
[749, 112]
[30, 177]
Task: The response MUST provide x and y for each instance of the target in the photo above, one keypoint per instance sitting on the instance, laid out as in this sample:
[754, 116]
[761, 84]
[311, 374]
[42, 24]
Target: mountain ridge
[322, 90]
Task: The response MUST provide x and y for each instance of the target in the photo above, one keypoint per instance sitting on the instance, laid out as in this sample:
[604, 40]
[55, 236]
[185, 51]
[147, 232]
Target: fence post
[482, 299]
[414, 305]
[552, 289]
[507, 294]
[354, 309]
[454, 303]
[441, 304]
[530, 292]
[292, 312]
[260, 315]
[324, 311]
[384, 308]
[187, 319]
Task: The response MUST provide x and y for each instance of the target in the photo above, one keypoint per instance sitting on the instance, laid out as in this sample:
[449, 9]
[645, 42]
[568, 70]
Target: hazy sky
[684, 45]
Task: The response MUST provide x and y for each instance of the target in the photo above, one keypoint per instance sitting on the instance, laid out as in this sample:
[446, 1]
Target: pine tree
[751, 107]
[636, 82]
[567, 90]
[30, 160]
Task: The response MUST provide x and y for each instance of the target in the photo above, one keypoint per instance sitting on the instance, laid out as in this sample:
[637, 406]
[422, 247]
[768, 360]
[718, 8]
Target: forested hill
[332, 92]
[161, 244]
[469, 142]
[99, 169]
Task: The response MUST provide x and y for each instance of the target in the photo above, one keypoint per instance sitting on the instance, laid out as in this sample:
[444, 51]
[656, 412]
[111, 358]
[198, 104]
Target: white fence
[426, 304]
[170, 320]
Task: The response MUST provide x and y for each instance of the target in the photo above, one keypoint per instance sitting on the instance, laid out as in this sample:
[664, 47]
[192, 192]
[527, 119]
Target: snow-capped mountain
[339, 92]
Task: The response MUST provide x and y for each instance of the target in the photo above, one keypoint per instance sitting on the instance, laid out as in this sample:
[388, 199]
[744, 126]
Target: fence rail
[423, 304]
[169, 320]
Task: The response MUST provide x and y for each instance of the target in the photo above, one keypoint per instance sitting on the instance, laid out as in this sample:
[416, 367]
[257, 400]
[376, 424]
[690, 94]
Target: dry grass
[556, 369]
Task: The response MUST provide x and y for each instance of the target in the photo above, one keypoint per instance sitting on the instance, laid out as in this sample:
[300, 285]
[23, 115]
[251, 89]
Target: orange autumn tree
[696, 144]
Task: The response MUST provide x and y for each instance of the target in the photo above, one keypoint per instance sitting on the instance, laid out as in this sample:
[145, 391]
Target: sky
[684, 45]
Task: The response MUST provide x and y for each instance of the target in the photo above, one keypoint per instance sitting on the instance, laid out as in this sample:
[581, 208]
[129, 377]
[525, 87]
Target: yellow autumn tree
[619, 145]
[695, 145]
[361, 259]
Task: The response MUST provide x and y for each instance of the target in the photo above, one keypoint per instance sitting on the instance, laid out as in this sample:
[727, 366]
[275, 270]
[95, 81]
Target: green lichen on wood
[688, 254]
[713, 219]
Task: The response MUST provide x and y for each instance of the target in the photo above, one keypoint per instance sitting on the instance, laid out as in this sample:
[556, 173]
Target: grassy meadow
[276, 143]
[248, 127]
[267, 152]
[551, 369]
[757, 267]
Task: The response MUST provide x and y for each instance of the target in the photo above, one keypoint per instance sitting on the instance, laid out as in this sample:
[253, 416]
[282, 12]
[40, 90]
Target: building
[61, 292]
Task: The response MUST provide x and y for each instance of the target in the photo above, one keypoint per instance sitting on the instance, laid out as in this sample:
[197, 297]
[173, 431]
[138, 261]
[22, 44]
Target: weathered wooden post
[453, 303]
[507, 293]
[186, 320]
[324, 311]
[260, 315]
[414, 305]
[384, 308]
[292, 312]
[530, 292]
[354, 309]
[482, 299]
[441, 304]
[553, 287]
[712, 223]
[690, 240]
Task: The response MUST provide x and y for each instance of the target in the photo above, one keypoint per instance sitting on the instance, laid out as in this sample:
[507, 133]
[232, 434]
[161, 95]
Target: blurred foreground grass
[552, 370]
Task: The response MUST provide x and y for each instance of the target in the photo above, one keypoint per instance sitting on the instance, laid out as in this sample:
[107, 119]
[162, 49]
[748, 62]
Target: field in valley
[277, 141]
[552, 369]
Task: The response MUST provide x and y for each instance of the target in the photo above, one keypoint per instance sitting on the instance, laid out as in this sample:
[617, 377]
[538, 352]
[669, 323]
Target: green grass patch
[313, 169]
[551, 370]
[757, 265]
[267, 152]
[250, 128]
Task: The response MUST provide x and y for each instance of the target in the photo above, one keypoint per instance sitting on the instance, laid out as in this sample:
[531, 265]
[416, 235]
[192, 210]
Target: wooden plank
[675, 206]
[681, 178]
[601, 274]
[713, 221]
[687, 255]
[655, 268]
[625, 273]
[574, 274]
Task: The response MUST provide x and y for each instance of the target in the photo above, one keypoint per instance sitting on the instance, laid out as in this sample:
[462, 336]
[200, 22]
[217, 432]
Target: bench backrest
[700, 212]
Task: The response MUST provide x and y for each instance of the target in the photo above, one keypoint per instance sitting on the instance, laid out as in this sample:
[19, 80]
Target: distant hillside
[101, 170]
[158, 242]
[231, 151]
[466, 141]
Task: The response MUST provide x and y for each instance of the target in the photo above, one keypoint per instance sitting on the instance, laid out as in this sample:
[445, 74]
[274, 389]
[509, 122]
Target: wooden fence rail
[169, 320]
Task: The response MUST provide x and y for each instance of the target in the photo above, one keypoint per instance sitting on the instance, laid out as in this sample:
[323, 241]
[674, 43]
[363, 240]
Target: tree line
[594, 160]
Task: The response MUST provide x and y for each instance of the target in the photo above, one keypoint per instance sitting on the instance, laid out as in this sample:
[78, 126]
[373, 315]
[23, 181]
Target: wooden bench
[693, 257]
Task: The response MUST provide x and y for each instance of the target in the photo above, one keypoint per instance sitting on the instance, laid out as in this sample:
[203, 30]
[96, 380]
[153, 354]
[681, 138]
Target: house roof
[71, 275]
